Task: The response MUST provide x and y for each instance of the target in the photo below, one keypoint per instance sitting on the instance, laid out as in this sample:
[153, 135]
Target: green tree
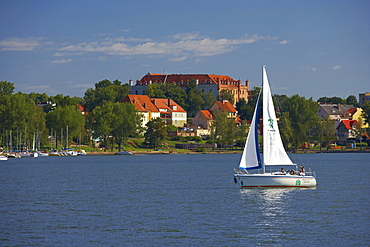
[6, 88]
[19, 113]
[366, 112]
[127, 122]
[155, 133]
[68, 118]
[226, 95]
[101, 121]
[324, 131]
[286, 130]
[38, 97]
[116, 120]
[302, 116]
[167, 90]
[105, 90]
[209, 100]
[65, 100]
[247, 111]
[332, 100]
[243, 109]
[225, 129]
[194, 99]
[352, 100]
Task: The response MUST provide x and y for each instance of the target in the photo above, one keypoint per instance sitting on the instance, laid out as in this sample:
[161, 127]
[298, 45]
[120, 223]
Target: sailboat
[274, 154]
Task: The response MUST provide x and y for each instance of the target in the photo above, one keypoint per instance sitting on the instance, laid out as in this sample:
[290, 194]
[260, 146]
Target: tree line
[59, 122]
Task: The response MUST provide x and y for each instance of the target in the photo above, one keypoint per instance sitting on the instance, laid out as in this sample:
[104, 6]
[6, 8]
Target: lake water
[179, 200]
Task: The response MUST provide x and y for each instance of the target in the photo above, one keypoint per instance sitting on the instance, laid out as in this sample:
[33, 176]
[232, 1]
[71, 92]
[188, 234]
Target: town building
[207, 83]
[347, 129]
[171, 112]
[205, 118]
[355, 114]
[166, 109]
[363, 98]
[332, 111]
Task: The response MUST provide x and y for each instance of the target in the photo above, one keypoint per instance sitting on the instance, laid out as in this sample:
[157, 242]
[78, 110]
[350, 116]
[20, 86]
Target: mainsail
[273, 149]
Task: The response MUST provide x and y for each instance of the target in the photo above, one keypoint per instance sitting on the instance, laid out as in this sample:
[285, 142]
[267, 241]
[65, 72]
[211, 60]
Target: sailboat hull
[269, 180]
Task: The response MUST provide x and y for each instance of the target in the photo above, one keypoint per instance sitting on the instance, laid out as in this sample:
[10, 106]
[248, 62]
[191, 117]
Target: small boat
[42, 154]
[251, 172]
[124, 152]
[81, 152]
[13, 155]
[54, 153]
[3, 157]
[71, 153]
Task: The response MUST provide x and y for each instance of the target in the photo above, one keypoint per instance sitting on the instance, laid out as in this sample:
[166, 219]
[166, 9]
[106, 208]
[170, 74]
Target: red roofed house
[166, 109]
[347, 129]
[171, 112]
[204, 118]
[205, 82]
[145, 106]
[355, 114]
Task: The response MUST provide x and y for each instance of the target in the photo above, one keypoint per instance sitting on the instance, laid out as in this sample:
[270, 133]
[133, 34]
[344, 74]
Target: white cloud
[308, 68]
[177, 59]
[184, 44]
[336, 67]
[62, 61]
[18, 44]
[64, 54]
[284, 42]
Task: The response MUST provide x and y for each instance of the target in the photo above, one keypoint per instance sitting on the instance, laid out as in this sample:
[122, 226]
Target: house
[355, 114]
[207, 83]
[145, 107]
[204, 118]
[332, 111]
[225, 106]
[363, 98]
[166, 109]
[347, 129]
[171, 112]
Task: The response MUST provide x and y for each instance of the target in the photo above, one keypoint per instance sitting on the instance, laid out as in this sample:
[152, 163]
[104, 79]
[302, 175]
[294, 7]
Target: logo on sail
[271, 123]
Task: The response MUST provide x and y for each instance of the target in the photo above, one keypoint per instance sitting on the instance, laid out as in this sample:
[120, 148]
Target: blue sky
[312, 48]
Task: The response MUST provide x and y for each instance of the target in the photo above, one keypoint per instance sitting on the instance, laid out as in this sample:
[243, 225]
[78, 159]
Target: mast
[263, 115]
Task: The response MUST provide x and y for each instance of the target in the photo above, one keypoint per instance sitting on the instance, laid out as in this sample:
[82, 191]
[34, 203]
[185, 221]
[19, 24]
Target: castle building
[205, 82]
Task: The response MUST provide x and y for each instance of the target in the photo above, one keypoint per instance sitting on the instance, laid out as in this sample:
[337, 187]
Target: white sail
[273, 149]
[251, 157]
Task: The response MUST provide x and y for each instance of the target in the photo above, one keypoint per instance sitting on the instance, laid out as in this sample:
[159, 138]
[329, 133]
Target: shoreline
[223, 152]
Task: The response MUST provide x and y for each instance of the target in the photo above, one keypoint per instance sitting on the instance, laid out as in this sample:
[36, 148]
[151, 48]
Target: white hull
[270, 180]
[3, 157]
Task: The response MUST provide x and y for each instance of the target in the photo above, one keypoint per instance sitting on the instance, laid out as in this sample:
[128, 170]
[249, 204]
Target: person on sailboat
[282, 171]
[301, 173]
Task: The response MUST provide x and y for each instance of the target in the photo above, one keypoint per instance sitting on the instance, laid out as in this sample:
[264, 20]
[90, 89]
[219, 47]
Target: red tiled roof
[141, 102]
[352, 111]
[164, 104]
[207, 114]
[226, 106]
[176, 78]
[349, 123]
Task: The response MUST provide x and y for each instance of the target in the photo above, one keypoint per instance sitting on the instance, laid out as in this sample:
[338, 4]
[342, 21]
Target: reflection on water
[270, 212]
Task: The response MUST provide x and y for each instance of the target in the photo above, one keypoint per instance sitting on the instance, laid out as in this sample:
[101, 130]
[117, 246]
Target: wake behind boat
[274, 153]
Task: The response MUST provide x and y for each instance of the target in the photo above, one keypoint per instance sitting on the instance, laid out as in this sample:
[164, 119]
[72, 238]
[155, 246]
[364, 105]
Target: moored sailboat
[274, 153]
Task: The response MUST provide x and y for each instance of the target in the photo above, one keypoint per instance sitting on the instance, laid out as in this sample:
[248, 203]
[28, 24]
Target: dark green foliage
[155, 133]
